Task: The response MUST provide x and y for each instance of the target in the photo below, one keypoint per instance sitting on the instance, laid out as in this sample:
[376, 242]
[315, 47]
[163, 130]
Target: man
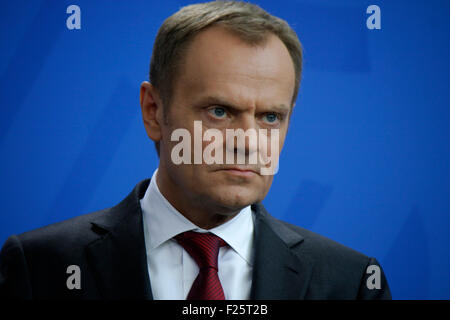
[197, 229]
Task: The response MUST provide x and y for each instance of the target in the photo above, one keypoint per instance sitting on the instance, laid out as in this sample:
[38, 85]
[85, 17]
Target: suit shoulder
[324, 248]
[70, 233]
[338, 271]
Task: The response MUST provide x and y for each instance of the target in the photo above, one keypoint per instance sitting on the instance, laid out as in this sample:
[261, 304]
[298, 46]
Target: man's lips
[240, 171]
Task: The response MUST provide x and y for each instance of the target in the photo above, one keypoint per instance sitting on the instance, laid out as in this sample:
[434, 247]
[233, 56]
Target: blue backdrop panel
[366, 160]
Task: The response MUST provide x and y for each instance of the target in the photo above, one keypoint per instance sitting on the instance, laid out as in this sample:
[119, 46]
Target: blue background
[366, 161]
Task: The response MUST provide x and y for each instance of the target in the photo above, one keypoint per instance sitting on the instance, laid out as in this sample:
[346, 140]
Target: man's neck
[201, 214]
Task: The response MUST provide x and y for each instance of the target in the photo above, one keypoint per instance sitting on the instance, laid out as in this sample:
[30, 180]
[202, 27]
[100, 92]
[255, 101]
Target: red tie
[204, 249]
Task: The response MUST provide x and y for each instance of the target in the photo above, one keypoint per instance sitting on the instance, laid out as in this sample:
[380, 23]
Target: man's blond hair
[248, 21]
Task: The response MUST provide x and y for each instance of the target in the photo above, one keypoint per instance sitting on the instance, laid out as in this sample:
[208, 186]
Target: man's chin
[234, 200]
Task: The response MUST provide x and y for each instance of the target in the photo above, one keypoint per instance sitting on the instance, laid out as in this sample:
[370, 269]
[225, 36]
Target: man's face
[227, 84]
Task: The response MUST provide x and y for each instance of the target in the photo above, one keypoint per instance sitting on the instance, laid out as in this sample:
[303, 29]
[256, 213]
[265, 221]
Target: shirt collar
[163, 222]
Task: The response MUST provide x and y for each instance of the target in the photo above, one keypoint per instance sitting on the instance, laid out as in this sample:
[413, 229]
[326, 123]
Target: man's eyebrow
[212, 100]
[282, 108]
[217, 100]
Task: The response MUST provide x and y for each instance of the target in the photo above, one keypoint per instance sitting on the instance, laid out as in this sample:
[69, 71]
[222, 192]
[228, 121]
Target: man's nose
[246, 136]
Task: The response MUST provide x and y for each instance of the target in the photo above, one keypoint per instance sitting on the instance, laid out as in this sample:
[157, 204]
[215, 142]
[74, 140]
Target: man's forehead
[232, 65]
[216, 47]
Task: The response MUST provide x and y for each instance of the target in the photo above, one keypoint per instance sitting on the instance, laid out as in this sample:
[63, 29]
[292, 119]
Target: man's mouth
[240, 171]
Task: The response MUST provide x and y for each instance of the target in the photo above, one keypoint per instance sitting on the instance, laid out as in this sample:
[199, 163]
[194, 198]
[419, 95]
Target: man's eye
[218, 112]
[271, 117]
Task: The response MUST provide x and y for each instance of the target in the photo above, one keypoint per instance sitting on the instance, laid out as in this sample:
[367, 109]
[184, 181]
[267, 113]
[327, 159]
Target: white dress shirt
[172, 270]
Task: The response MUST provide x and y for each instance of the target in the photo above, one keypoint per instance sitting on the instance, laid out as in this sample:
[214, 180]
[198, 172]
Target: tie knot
[202, 247]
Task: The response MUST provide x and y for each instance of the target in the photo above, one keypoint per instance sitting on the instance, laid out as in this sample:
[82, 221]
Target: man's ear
[152, 113]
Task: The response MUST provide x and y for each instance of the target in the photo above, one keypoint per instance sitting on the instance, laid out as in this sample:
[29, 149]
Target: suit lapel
[278, 273]
[118, 258]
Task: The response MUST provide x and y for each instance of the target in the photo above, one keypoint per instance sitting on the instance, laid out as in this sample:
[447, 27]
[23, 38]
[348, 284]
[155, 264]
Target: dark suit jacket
[108, 246]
